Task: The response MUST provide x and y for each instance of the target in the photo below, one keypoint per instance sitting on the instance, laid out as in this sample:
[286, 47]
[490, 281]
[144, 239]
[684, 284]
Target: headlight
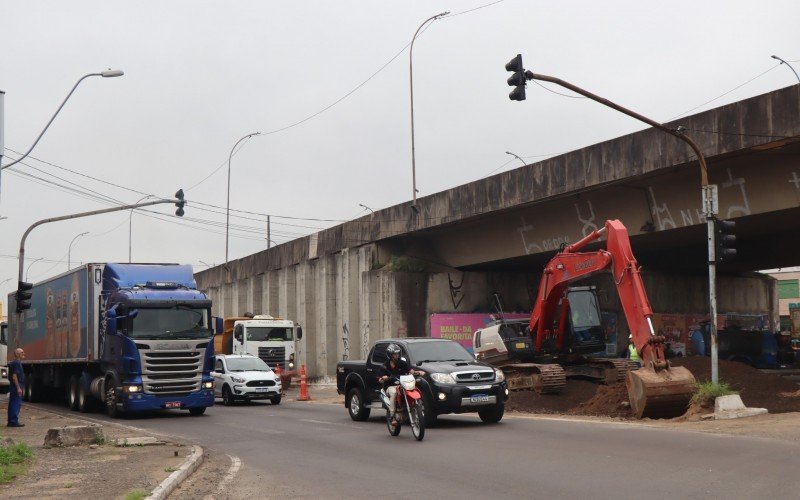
[499, 376]
[238, 380]
[443, 378]
[208, 385]
[132, 388]
[291, 365]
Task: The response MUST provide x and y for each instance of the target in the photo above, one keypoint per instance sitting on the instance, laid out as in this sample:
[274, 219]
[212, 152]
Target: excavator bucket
[660, 394]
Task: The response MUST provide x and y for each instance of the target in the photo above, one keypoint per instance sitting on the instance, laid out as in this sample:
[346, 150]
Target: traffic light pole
[709, 197]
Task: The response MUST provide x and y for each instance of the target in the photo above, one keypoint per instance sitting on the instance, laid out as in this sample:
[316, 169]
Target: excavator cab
[586, 329]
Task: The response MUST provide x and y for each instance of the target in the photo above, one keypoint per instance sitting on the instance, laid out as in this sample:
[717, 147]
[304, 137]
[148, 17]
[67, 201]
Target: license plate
[261, 389]
[520, 345]
[479, 398]
[172, 404]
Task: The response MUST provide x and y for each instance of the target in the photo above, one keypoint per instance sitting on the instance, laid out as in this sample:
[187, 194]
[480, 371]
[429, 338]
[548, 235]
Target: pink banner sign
[460, 326]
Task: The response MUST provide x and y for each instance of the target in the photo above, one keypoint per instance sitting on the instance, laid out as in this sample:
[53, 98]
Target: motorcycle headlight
[443, 378]
[238, 380]
[499, 376]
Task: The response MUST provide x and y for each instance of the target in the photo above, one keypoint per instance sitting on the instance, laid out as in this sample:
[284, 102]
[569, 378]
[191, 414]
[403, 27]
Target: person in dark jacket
[17, 378]
[394, 367]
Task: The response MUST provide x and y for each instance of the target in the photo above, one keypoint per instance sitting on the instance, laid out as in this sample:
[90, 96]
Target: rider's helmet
[393, 349]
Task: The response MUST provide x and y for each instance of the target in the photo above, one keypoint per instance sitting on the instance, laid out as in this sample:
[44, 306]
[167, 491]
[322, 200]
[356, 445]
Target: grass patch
[170, 469]
[407, 264]
[13, 461]
[706, 392]
[136, 495]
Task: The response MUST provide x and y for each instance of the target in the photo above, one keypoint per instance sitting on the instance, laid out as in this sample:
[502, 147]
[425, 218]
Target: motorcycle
[408, 408]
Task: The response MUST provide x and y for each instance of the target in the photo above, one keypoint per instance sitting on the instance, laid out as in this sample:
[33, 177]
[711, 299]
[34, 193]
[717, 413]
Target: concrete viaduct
[384, 274]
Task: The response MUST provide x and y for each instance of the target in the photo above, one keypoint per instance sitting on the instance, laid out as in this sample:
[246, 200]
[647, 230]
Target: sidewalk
[102, 470]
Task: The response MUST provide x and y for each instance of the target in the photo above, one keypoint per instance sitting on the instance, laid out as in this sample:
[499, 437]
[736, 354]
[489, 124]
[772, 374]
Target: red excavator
[554, 338]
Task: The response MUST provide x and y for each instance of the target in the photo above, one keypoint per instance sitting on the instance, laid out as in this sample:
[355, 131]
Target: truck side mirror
[299, 332]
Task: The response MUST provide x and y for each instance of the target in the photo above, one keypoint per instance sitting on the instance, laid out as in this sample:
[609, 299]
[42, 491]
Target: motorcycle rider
[393, 368]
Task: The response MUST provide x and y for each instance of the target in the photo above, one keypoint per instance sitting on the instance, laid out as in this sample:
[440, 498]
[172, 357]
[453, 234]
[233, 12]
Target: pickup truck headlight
[238, 380]
[443, 378]
[499, 376]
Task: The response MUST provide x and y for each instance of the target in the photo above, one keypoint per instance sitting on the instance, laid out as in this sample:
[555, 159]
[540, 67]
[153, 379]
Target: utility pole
[269, 241]
[710, 198]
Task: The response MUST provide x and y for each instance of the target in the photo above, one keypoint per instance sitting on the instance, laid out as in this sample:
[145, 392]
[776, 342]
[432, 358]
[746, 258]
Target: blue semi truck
[124, 337]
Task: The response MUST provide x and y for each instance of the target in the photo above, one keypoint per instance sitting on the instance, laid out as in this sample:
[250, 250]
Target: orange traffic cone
[303, 385]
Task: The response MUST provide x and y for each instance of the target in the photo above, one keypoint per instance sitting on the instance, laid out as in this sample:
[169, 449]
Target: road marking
[236, 464]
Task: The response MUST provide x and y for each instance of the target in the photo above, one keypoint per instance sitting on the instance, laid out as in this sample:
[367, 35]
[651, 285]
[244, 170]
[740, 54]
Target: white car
[244, 377]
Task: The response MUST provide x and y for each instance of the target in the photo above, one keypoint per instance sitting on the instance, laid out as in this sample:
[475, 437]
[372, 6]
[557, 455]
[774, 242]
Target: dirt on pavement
[82, 471]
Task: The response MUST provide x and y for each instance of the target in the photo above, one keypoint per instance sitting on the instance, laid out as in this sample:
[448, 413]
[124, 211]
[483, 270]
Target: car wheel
[227, 396]
[276, 400]
[356, 405]
[493, 414]
[196, 412]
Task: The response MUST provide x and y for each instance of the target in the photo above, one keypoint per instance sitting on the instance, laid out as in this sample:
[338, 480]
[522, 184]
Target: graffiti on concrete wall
[661, 213]
[543, 245]
[345, 342]
[455, 291]
[744, 208]
[589, 224]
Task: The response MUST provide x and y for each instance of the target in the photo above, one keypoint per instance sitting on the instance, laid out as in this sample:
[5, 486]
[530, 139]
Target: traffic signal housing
[517, 79]
[23, 296]
[725, 240]
[180, 204]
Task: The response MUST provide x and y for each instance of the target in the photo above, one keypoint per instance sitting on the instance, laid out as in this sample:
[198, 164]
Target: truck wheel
[196, 412]
[26, 390]
[32, 388]
[276, 400]
[227, 396]
[72, 393]
[111, 401]
[493, 414]
[356, 405]
[84, 401]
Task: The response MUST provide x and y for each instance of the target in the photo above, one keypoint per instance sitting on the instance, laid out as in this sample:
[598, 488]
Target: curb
[174, 480]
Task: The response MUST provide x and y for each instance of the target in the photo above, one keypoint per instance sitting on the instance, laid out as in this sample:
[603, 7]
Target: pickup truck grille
[171, 373]
[273, 356]
[261, 383]
[474, 376]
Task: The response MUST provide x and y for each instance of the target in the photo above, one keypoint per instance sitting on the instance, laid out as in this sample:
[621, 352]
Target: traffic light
[23, 296]
[518, 79]
[725, 240]
[181, 202]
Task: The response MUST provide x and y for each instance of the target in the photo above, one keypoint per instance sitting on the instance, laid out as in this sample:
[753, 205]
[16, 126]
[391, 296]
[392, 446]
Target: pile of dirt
[608, 401]
[575, 393]
[757, 389]
[582, 397]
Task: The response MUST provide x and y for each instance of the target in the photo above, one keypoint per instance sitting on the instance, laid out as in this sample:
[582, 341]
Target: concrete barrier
[729, 407]
[74, 435]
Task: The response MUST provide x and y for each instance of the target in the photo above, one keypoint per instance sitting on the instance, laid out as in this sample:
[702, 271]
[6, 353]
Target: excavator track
[616, 368]
[544, 379]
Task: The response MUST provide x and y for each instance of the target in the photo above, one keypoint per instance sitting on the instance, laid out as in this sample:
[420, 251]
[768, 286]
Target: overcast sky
[200, 75]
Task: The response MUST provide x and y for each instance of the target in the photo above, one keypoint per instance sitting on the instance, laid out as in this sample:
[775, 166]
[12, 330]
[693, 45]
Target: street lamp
[366, 207]
[29, 267]
[228, 206]
[69, 250]
[411, 86]
[130, 226]
[110, 73]
[790, 66]
[517, 157]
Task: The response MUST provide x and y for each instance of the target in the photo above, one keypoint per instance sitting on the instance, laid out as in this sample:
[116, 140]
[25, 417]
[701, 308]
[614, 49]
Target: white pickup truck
[243, 377]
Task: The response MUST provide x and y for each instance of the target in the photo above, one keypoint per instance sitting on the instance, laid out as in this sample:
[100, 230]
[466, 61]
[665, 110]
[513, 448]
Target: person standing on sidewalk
[17, 377]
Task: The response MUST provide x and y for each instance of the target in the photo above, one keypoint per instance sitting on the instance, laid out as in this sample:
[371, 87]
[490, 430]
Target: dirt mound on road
[757, 389]
[581, 397]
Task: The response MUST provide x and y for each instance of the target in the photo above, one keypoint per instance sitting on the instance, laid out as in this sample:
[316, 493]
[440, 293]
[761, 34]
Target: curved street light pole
[411, 86]
[105, 74]
[228, 205]
[517, 157]
[69, 250]
[790, 66]
[130, 227]
[29, 266]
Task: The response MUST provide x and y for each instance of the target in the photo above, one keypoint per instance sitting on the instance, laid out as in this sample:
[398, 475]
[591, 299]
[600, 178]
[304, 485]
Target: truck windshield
[179, 322]
[264, 333]
[247, 365]
[425, 352]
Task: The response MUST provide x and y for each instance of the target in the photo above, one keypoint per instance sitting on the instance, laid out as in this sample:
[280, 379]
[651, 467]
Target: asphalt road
[314, 450]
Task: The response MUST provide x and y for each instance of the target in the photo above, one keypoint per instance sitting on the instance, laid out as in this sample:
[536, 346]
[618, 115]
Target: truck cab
[273, 340]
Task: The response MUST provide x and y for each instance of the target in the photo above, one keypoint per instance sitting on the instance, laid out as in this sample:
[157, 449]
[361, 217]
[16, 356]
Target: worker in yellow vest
[632, 353]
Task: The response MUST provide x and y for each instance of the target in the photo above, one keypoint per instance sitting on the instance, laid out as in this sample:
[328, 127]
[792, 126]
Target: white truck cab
[274, 340]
